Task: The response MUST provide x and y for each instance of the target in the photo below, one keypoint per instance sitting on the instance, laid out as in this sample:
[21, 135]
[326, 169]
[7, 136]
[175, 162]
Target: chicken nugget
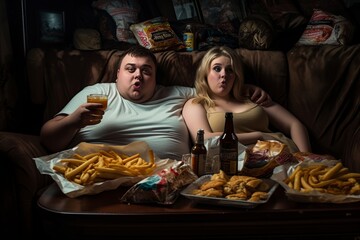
[237, 196]
[221, 175]
[241, 178]
[211, 192]
[254, 183]
[260, 195]
[212, 184]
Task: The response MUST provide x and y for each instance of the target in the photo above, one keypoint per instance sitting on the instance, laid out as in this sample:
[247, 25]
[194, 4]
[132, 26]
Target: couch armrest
[21, 180]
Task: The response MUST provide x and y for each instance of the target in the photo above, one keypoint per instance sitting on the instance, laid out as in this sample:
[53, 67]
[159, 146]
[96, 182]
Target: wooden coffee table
[103, 216]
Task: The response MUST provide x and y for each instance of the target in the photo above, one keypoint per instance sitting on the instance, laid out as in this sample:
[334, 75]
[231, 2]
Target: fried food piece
[212, 184]
[253, 184]
[232, 187]
[261, 195]
[211, 192]
[355, 189]
[258, 196]
[221, 175]
[241, 178]
[237, 196]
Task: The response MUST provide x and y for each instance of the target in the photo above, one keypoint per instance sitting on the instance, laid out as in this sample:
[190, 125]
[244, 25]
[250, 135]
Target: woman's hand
[258, 95]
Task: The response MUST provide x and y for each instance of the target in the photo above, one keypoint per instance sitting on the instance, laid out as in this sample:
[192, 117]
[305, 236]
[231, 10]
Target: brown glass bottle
[198, 154]
[229, 147]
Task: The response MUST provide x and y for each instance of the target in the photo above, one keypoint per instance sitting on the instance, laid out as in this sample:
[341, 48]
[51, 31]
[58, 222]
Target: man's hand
[90, 114]
[258, 95]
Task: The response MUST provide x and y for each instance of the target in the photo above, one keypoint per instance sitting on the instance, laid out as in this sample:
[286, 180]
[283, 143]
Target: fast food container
[282, 172]
[45, 165]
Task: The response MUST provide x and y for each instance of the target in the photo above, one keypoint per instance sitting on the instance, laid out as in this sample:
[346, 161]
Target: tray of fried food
[237, 190]
[324, 181]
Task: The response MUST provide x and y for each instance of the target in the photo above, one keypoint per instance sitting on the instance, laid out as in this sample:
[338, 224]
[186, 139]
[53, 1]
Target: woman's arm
[287, 123]
[195, 118]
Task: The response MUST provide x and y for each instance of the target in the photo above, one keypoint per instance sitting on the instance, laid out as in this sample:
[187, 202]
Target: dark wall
[23, 18]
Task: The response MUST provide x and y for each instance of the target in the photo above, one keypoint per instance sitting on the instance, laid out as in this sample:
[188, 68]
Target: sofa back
[324, 93]
[55, 76]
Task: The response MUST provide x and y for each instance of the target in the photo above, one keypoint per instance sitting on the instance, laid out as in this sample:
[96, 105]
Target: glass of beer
[98, 98]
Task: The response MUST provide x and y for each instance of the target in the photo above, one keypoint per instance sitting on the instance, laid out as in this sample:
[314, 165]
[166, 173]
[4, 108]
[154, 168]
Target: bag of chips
[264, 156]
[163, 187]
[326, 28]
[157, 35]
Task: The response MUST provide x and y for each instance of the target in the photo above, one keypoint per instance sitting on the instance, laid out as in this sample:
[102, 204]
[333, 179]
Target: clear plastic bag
[164, 187]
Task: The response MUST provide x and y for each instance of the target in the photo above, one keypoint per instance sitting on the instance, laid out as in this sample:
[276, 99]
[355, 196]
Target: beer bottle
[229, 147]
[198, 154]
[188, 37]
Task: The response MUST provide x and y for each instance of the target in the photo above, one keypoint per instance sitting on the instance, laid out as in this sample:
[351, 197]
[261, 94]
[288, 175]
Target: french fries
[104, 165]
[327, 179]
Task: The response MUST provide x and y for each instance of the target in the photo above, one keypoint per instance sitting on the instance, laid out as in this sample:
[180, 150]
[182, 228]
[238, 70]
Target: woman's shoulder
[191, 99]
[191, 102]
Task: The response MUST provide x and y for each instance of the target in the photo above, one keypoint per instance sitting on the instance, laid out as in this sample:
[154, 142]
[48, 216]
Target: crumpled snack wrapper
[283, 171]
[71, 189]
[264, 156]
[307, 156]
[162, 187]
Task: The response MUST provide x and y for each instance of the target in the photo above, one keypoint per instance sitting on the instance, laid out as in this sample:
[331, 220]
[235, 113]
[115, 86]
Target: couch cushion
[178, 68]
[329, 77]
[55, 76]
[267, 69]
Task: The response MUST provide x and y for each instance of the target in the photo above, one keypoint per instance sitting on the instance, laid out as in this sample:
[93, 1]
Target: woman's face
[220, 77]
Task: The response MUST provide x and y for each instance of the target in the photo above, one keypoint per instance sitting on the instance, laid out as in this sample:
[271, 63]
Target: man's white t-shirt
[158, 121]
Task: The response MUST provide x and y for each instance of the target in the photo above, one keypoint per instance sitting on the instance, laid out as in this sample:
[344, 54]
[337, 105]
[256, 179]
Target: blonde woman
[220, 88]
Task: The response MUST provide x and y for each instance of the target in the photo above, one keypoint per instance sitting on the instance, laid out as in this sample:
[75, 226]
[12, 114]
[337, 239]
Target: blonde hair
[201, 84]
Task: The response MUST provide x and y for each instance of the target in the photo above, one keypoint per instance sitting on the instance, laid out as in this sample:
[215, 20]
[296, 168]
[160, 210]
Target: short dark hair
[138, 51]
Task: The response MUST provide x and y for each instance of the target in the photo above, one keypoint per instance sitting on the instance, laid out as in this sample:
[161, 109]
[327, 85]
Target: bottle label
[189, 41]
[202, 165]
[198, 162]
[229, 161]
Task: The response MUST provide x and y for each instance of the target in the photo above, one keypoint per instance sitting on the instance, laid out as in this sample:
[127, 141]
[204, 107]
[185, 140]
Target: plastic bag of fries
[93, 168]
[318, 181]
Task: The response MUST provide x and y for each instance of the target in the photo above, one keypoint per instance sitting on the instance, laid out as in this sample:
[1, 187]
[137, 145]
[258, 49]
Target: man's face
[136, 78]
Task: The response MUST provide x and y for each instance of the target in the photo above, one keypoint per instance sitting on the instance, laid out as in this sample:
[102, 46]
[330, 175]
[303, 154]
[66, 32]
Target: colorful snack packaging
[163, 187]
